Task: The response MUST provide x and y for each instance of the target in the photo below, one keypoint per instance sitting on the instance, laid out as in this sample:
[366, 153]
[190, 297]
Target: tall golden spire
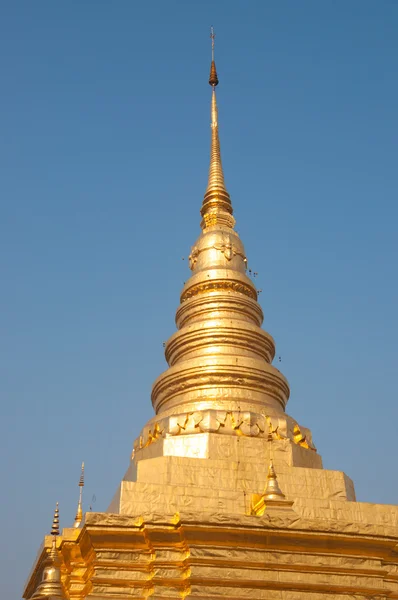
[216, 198]
[79, 512]
[50, 586]
[220, 358]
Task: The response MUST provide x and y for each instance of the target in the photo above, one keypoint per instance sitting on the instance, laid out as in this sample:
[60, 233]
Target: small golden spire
[55, 525]
[50, 586]
[213, 79]
[273, 491]
[79, 512]
[216, 198]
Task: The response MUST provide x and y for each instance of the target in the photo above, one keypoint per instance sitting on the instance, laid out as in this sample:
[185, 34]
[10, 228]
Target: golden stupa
[225, 495]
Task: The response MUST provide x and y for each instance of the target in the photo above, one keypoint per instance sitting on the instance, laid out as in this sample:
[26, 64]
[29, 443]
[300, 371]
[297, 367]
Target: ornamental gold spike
[55, 532]
[55, 525]
[216, 203]
[81, 480]
[213, 79]
[50, 585]
[273, 491]
[79, 512]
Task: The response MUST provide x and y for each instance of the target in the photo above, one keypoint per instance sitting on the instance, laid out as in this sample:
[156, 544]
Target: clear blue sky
[104, 152]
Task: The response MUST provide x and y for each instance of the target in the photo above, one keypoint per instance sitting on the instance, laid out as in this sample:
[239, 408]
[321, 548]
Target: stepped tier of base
[182, 525]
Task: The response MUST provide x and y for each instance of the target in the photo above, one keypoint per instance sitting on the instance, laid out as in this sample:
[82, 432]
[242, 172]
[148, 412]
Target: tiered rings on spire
[55, 525]
[216, 206]
[213, 79]
[220, 357]
[217, 202]
[220, 377]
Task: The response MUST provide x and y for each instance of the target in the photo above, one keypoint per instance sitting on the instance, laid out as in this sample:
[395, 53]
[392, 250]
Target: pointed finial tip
[271, 470]
[55, 525]
[79, 512]
[213, 79]
[212, 37]
[81, 480]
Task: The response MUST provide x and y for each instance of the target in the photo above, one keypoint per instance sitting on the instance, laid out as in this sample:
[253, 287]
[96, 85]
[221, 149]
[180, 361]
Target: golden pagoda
[225, 495]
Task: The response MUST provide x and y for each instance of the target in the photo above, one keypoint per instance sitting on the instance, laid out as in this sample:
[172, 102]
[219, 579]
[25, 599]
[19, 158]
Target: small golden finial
[272, 496]
[55, 533]
[273, 491]
[50, 585]
[212, 36]
[81, 480]
[79, 512]
[213, 79]
[55, 525]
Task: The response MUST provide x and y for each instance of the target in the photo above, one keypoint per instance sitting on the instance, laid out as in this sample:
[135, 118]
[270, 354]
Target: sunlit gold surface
[198, 514]
[220, 377]
[335, 550]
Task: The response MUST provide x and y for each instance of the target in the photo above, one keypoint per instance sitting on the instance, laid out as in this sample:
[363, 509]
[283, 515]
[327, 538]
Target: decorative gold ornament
[273, 491]
[222, 422]
[50, 586]
[79, 512]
